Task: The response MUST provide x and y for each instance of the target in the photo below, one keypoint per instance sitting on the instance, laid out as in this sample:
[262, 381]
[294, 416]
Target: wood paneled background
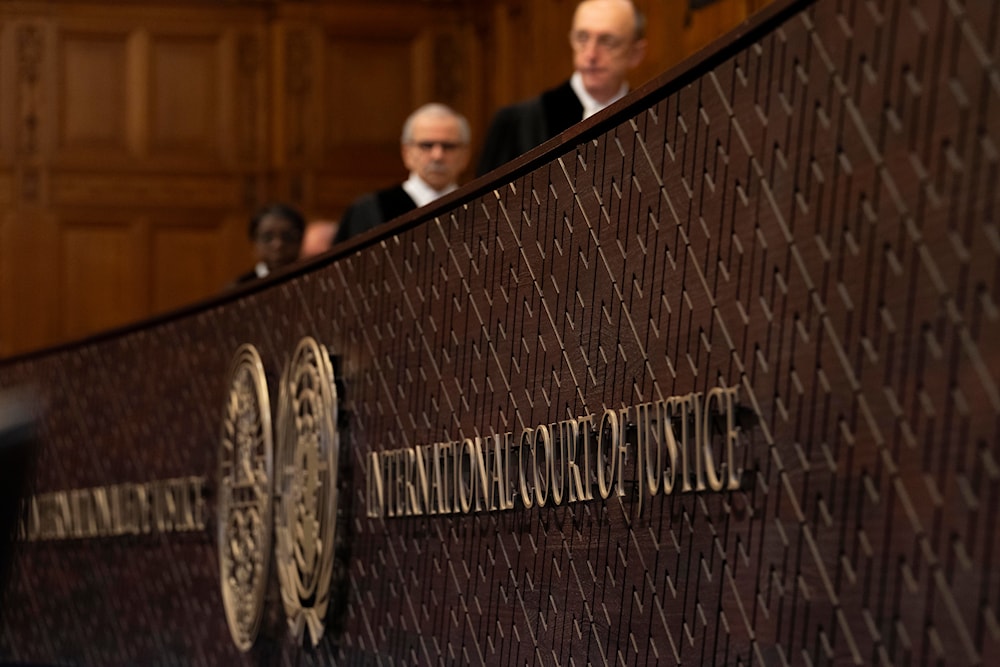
[136, 137]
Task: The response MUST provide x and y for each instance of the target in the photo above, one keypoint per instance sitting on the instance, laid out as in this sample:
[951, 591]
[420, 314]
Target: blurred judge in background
[608, 40]
[435, 148]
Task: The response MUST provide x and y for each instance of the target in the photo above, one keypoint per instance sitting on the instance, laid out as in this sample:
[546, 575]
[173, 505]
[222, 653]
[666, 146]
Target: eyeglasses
[603, 41]
[428, 146]
[284, 237]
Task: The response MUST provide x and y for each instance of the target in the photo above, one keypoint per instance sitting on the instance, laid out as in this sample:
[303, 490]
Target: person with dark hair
[435, 148]
[276, 233]
[608, 40]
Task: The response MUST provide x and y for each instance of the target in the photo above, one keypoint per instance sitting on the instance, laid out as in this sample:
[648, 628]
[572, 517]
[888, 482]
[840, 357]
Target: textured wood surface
[808, 214]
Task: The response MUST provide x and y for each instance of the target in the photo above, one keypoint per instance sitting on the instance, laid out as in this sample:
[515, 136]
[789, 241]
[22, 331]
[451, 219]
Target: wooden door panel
[101, 281]
[30, 311]
[184, 82]
[381, 70]
[185, 264]
[138, 113]
[6, 190]
[156, 190]
[93, 86]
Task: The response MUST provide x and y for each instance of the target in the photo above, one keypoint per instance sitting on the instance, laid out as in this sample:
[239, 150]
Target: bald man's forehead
[611, 16]
[438, 125]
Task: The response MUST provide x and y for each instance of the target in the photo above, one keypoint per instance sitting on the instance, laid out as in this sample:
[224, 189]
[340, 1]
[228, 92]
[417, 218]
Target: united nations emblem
[245, 474]
[306, 494]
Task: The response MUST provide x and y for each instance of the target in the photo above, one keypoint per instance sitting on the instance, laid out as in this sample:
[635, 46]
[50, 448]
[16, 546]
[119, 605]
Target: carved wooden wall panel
[94, 83]
[805, 218]
[104, 105]
[123, 121]
[184, 104]
[200, 237]
[96, 262]
[31, 295]
[352, 127]
[6, 190]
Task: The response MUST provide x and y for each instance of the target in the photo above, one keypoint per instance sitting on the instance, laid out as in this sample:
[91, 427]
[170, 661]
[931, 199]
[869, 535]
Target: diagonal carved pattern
[802, 221]
[809, 214]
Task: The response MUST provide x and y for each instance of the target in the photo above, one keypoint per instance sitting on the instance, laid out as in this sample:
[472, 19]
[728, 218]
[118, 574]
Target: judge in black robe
[608, 41]
[372, 209]
[518, 128]
[435, 148]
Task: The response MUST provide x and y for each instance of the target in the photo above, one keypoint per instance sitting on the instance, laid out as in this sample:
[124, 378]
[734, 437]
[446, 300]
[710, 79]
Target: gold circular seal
[245, 474]
[306, 494]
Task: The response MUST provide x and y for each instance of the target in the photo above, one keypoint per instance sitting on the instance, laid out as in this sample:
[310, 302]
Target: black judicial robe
[372, 209]
[518, 128]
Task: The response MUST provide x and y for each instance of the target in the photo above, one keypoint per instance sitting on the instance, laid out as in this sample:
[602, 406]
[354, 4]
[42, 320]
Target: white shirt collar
[590, 105]
[261, 269]
[423, 194]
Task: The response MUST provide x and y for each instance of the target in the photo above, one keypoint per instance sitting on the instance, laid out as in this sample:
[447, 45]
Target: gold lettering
[526, 444]
[102, 511]
[665, 410]
[621, 450]
[441, 450]
[34, 531]
[607, 454]
[185, 513]
[114, 501]
[558, 468]
[478, 462]
[73, 527]
[117, 509]
[409, 475]
[732, 434]
[682, 403]
[399, 471]
[160, 503]
[47, 514]
[454, 462]
[465, 459]
[178, 504]
[130, 513]
[718, 394]
[198, 511]
[496, 499]
[569, 434]
[509, 488]
[386, 460]
[141, 508]
[649, 454]
[72, 499]
[422, 481]
[555, 463]
[697, 407]
[587, 429]
[437, 495]
[63, 516]
[543, 484]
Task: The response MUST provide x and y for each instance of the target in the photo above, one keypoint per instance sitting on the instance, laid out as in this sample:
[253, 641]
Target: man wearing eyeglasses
[435, 148]
[608, 40]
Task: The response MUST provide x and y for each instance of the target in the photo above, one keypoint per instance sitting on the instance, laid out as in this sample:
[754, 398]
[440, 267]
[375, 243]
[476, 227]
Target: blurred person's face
[604, 45]
[318, 238]
[277, 241]
[435, 150]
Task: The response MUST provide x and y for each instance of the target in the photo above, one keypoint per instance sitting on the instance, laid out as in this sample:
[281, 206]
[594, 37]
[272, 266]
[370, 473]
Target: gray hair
[441, 111]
